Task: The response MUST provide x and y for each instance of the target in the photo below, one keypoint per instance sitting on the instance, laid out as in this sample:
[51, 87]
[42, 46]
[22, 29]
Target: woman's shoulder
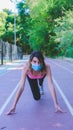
[48, 69]
[47, 66]
[26, 67]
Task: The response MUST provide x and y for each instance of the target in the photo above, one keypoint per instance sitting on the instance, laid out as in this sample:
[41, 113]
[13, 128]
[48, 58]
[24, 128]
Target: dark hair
[37, 54]
[40, 57]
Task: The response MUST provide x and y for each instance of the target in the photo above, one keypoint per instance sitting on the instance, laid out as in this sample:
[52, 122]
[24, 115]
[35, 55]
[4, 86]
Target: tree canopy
[40, 25]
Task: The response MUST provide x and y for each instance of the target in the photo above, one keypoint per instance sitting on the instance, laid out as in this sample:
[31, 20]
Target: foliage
[3, 16]
[43, 15]
[23, 23]
[38, 32]
[64, 34]
[43, 25]
[8, 25]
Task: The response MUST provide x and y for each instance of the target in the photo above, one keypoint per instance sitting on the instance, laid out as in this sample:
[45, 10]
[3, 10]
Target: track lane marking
[58, 88]
[62, 67]
[64, 97]
[8, 99]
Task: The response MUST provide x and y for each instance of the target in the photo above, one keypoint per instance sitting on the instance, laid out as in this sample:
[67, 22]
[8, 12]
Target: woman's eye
[34, 61]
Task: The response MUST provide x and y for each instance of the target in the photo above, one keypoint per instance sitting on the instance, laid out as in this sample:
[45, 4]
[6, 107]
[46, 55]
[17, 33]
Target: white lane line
[64, 97]
[69, 63]
[8, 100]
[62, 67]
[57, 86]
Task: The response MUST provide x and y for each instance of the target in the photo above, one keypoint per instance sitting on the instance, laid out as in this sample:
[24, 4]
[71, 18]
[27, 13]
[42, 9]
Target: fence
[9, 52]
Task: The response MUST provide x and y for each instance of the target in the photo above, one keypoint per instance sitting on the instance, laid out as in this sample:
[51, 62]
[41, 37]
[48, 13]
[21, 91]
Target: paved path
[37, 115]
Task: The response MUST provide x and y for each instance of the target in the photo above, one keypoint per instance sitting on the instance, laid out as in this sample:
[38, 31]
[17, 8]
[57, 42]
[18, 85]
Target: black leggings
[34, 87]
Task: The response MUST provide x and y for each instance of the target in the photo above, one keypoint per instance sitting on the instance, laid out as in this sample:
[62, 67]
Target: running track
[37, 115]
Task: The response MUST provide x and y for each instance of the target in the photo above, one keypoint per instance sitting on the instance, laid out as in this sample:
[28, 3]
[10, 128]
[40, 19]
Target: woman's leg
[41, 81]
[34, 88]
[41, 85]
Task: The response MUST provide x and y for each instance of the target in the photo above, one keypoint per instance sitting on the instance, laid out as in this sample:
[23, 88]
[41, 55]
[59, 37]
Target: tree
[8, 25]
[22, 27]
[3, 16]
[38, 31]
[64, 34]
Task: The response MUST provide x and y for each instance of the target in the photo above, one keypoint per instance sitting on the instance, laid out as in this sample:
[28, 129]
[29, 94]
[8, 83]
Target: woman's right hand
[11, 111]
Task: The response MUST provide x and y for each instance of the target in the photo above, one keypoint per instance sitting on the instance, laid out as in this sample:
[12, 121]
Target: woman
[35, 71]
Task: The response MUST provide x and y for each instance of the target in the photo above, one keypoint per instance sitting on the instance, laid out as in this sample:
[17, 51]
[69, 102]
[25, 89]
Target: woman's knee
[37, 97]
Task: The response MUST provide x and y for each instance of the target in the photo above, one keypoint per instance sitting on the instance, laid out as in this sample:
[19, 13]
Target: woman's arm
[52, 89]
[19, 92]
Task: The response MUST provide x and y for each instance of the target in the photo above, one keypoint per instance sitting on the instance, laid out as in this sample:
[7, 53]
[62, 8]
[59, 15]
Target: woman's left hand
[58, 109]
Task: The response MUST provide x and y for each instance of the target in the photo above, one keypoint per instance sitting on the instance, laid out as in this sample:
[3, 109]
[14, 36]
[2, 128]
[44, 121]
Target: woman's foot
[41, 90]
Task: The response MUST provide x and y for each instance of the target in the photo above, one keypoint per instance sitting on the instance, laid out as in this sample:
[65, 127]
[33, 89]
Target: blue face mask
[36, 67]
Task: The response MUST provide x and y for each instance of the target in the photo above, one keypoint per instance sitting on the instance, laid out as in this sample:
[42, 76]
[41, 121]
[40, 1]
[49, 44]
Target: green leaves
[41, 25]
[64, 33]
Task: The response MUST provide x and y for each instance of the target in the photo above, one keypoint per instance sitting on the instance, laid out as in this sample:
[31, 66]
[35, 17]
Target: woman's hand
[11, 111]
[58, 109]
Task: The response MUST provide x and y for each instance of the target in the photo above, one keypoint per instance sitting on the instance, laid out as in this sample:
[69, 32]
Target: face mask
[36, 67]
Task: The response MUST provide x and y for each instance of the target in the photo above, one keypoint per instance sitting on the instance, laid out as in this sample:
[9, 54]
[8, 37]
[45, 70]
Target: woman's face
[35, 64]
[35, 60]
